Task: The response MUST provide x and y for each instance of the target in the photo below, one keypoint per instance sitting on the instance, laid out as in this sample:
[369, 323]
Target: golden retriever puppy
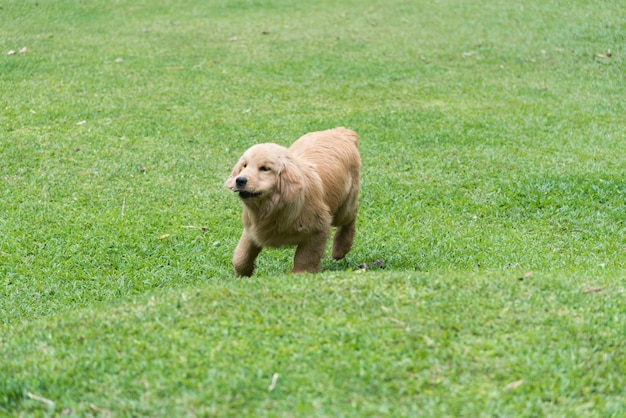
[293, 196]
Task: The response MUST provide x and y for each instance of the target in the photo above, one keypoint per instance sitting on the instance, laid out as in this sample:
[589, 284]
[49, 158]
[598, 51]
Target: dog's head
[265, 171]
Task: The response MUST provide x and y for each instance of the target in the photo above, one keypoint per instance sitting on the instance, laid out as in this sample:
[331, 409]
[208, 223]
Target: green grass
[492, 139]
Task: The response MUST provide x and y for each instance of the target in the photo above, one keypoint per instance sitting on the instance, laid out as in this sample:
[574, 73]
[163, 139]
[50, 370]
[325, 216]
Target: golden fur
[293, 197]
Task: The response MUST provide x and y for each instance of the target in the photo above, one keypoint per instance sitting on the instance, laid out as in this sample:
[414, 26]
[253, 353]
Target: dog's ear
[289, 180]
[236, 170]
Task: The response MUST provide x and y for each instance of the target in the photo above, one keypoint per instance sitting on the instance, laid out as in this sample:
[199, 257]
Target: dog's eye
[245, 165]
[264, 168]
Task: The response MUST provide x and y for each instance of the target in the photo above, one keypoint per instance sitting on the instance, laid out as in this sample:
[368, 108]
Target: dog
[293, 196]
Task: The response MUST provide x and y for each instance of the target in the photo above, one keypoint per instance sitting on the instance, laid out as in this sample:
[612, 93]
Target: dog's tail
[348, 133]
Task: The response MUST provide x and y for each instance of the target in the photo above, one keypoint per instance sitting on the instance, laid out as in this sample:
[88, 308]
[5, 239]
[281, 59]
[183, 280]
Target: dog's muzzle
[247, 195]
[240, 184]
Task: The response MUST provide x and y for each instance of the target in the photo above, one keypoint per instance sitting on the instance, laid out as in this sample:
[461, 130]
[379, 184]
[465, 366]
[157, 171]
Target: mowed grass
[493, 186]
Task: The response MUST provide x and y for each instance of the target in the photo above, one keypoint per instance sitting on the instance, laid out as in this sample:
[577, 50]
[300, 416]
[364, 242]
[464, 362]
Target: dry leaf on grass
[366, 266]
[514, 385]
[21, 51]
[429, 341]
[397, 322]
[272, 385]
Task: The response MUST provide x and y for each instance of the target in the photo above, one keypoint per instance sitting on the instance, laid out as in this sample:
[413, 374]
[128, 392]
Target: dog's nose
[241, 181]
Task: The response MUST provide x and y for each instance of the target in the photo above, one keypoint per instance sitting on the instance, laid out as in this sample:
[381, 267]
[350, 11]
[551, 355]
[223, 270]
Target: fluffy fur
[293, 196]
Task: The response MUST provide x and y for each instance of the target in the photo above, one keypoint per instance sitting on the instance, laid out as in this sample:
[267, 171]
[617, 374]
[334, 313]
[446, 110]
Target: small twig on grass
[201, 228]
[40, 399]
[123, 205]
[593, 289]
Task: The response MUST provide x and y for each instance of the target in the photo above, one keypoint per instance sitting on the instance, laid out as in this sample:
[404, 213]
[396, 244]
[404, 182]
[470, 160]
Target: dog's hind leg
[308, 258]
[342, 243]
[245, 254]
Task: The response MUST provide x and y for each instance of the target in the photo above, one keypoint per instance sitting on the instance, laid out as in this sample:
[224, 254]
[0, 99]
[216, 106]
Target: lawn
[492, 136]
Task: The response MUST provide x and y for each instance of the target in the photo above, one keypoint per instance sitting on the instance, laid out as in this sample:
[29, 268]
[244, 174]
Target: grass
[493, 188]
[340, 345]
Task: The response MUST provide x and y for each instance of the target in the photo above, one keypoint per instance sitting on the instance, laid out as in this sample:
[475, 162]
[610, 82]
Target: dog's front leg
[308, 258]
[245, 254]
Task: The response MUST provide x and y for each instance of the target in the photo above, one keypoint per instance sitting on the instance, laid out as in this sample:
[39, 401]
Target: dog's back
[335, 155]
